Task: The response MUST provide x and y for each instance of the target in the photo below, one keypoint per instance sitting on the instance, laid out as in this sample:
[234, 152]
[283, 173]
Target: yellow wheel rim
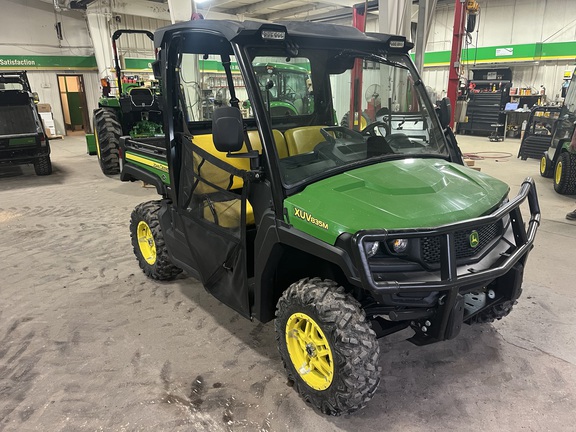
[97, 143]
[543, 165]
[309, 351]
[558, 172]
[146, 242]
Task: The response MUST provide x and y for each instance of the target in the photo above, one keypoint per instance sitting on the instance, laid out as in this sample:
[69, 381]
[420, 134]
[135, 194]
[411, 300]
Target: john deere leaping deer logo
[474, 239]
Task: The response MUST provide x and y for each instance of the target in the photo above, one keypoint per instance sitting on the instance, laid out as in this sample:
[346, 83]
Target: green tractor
[287, 89]
[134, 111]
[559, 161]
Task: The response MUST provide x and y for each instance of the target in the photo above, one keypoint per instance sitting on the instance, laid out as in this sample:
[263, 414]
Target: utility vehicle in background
[559, 161]
[133, 111]
[22, 136]
[341, 236]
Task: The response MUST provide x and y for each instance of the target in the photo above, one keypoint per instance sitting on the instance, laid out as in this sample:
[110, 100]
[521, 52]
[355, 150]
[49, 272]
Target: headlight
[398, 245]
[371, 248]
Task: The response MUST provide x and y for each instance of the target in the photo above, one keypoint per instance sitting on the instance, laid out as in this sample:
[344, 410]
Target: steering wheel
[370, 130]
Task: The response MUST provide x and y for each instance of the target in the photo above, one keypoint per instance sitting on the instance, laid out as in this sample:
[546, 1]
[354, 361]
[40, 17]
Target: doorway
[74, 104]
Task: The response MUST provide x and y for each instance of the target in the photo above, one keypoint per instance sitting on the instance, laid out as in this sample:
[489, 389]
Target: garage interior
[88, 342]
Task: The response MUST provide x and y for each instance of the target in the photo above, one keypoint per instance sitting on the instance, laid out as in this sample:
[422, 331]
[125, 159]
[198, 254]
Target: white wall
[45, 83]
[28, 29]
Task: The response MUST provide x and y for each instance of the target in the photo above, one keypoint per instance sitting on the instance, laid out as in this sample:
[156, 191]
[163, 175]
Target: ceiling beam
[254, 8]
[216, 3]
[345, 12]
[295, 11]
[151, 9]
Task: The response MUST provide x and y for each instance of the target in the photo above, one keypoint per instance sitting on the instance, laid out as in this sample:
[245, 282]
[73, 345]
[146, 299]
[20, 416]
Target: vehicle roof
[302, 29]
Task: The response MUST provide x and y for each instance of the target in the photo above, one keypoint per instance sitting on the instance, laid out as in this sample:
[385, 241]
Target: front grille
[430, 246]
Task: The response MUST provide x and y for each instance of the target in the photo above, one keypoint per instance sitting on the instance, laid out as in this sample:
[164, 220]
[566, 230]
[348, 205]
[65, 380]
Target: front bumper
[444, 288]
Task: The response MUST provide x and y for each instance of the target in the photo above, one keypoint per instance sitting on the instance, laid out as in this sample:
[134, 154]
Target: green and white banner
[38, 62]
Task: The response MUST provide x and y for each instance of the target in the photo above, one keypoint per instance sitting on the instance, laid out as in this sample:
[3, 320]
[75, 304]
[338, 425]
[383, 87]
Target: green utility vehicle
[135, 111]
[22, 137]
[559, 161]
[341, 236]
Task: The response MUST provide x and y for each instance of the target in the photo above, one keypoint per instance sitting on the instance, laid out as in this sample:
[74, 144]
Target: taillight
[42, 140]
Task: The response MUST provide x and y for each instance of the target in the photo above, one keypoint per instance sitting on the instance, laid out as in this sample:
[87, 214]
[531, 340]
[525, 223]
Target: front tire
[327, 346]
[493, 313]
[107, 131]
[43, 166]
[148, 242]
[565, 174]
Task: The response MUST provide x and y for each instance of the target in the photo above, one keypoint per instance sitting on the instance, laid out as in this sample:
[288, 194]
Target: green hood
[409, 193]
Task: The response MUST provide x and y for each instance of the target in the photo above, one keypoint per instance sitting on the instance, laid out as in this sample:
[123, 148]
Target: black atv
[22, 138]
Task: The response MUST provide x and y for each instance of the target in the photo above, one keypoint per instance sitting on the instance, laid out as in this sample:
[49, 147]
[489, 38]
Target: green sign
[47, 62]
[506, 53]
[139, 64]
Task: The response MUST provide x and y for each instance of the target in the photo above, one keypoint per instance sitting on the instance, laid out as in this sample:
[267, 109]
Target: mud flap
[456, 319]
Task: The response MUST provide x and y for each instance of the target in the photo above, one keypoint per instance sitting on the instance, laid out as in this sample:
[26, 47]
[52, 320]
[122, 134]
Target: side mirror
[444, 112]
[156, 69]
[227, 129]
[35, 97]
[269, 84]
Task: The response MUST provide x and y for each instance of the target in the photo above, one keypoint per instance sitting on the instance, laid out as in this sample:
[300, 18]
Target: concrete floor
[87, 342]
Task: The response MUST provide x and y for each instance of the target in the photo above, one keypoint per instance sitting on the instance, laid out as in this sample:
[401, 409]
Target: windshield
[392, 119]
[307, 96]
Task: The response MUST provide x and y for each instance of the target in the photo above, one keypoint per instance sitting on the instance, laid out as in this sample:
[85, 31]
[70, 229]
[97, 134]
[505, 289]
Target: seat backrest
[141, 96]
[278, 140]
[303, 139]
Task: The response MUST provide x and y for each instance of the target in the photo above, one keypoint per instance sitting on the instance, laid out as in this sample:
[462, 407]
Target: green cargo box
[91, 144]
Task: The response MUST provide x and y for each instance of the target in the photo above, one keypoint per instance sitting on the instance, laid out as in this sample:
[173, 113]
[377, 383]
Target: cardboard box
[44, 108]
[46, 116]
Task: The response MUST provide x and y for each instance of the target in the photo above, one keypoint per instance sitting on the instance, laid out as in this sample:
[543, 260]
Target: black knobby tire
[565, 174]
[107, 131]
[546, 167]
[353, 343]
[43, 166]
[345, 120]
[493, 313]
[162, 268]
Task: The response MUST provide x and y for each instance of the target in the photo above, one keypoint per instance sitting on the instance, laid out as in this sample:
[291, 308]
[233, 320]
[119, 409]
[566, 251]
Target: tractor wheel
[43, 166]
[493, 313]
[565, 174]
[327, 346]
[546, 168]
[107, 131]
[148, 242]
[364, 121]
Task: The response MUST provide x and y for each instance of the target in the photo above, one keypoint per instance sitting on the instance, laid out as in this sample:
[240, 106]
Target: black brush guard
[449, 313]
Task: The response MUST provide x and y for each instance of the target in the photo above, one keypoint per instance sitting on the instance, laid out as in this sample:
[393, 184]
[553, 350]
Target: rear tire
[364, 121]
[565, 174]
[107, 131]
[43, 166]
[546, 168]
[148, 242]
[327, 346]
